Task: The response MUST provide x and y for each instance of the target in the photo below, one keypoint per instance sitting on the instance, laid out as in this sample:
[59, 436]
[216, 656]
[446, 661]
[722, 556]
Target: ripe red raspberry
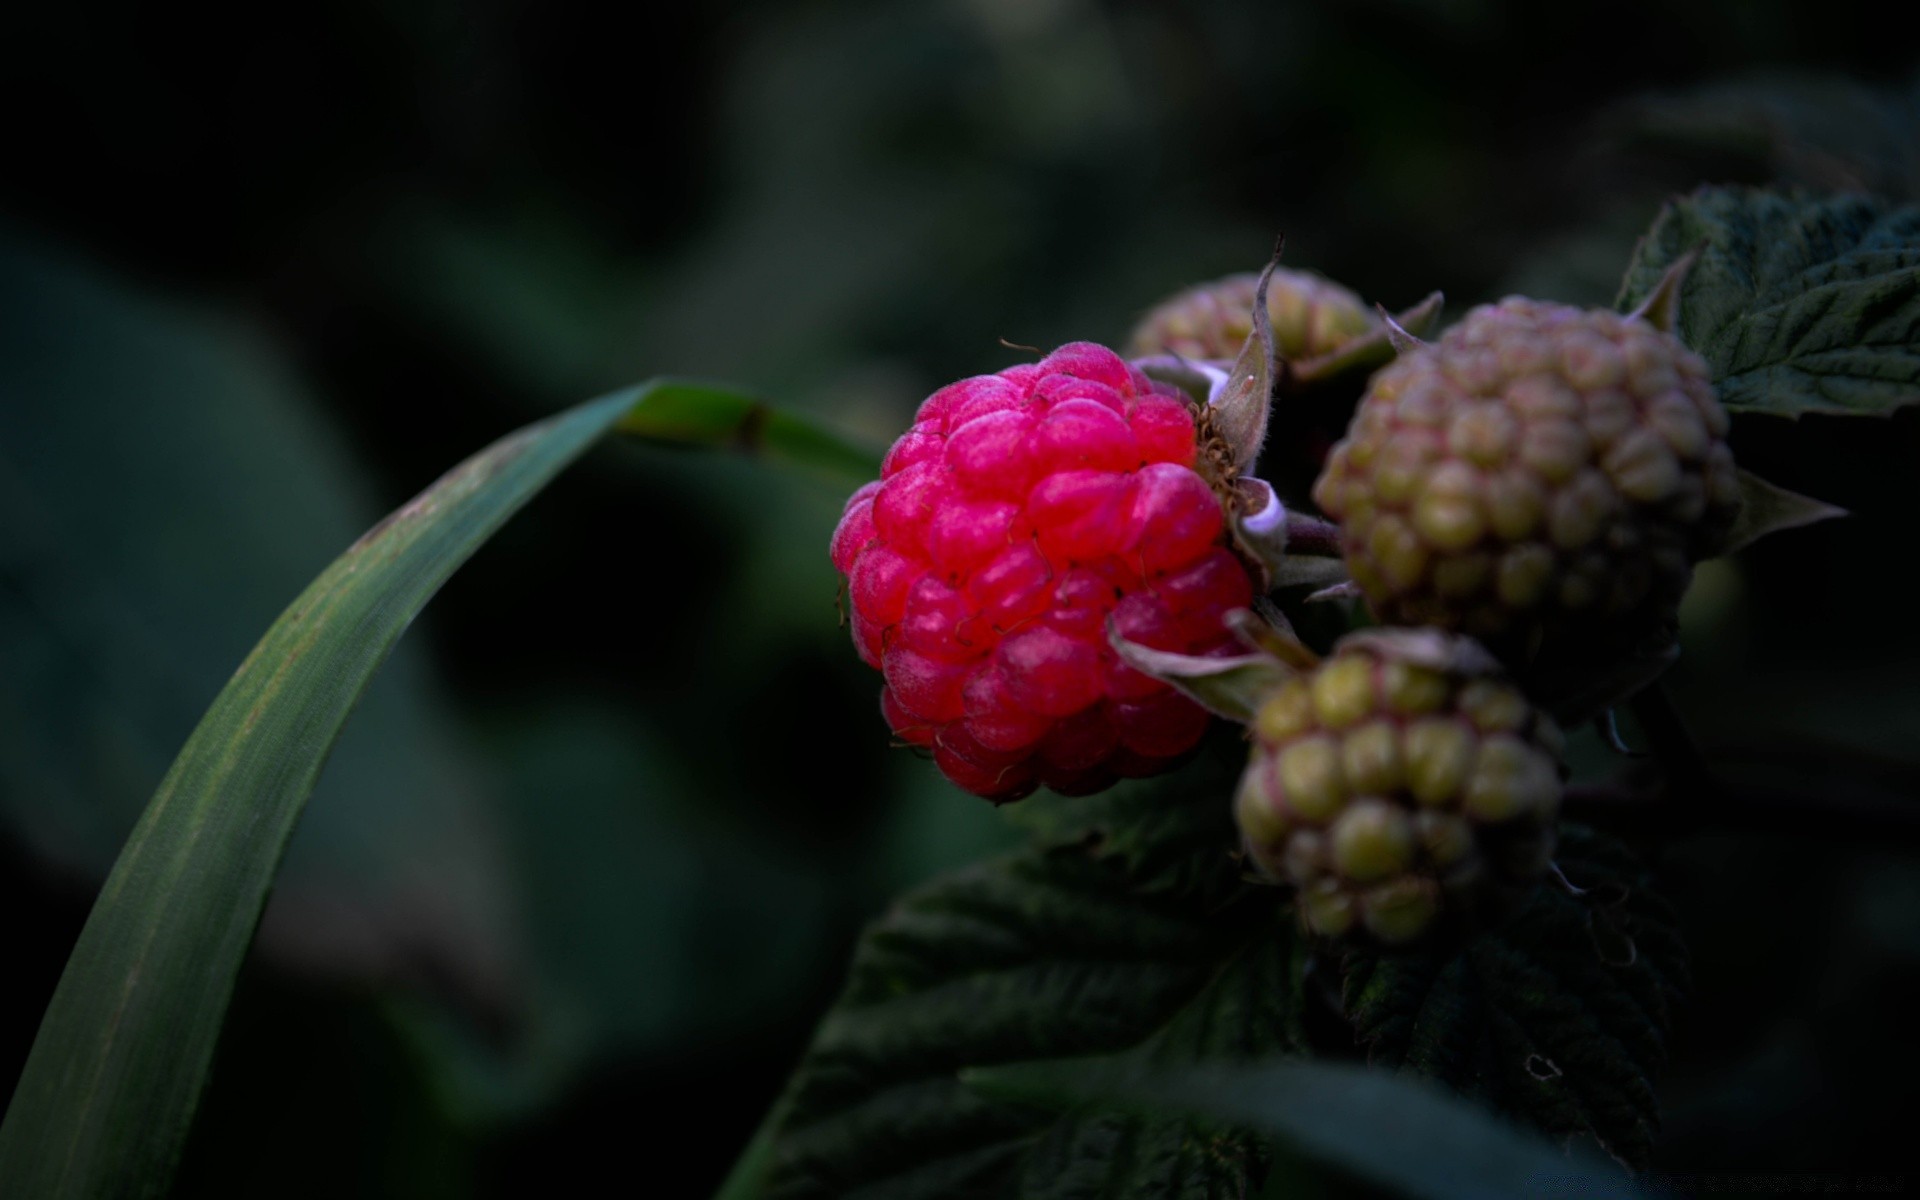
[1019, 513]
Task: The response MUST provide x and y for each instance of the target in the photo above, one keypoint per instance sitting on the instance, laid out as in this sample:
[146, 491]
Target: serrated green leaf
[1799, 304]
[110, 1086]
[1413, 1138]
[1064, 950]
[1559, 1018]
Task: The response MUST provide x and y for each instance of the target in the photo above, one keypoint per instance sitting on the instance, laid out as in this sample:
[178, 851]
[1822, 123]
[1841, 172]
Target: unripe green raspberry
[1403, 780]
[1542, 478]
[1312, 316]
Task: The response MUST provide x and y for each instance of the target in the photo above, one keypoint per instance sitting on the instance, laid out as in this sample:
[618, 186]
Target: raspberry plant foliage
[1149, 926]
[1523, 959]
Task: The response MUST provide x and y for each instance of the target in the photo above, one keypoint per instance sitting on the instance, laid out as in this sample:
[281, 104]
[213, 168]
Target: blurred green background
[589, 861]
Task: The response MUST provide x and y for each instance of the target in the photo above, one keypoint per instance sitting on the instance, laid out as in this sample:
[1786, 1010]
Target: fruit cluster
[1042, 558]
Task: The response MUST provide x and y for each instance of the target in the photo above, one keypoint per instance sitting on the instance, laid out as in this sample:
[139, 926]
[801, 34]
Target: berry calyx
[1020, 514]
[1402, 782]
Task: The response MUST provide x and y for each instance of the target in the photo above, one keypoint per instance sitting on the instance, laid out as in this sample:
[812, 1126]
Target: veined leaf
[111, 1083]
[1408, 1136]
[1799, 305]
[1559, 1017]
[1063, 950]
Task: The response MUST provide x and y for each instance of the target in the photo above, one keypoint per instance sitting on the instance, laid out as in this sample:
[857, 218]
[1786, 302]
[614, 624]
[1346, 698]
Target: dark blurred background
[590, 859]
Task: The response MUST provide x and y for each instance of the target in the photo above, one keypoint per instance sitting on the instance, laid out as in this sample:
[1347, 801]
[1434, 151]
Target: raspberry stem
[1312, 535]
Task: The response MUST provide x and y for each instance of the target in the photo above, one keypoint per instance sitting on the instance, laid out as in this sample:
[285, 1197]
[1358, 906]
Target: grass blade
[116, 1071]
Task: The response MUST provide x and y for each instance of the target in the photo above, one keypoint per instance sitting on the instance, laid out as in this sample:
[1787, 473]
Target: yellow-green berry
[1311, 316]
[1541, 477]
[1403, 781]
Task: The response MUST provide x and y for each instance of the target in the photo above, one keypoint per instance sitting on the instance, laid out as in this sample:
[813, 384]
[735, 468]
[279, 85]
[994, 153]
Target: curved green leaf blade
[1560, 1017]
[1391, 1130]
[1799, 305]
[714, 418]
[122, 1055]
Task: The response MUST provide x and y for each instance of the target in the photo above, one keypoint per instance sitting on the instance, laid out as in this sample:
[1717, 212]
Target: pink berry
[1021, 513]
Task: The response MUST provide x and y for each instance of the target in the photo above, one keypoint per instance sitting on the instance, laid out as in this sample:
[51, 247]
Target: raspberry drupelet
[1018, 514]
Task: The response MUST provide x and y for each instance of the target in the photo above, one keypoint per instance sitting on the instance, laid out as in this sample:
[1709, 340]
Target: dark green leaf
[1391, 1130]
[1150, 945]
[1799, 305]
[111, 1083]
[1559, 1018]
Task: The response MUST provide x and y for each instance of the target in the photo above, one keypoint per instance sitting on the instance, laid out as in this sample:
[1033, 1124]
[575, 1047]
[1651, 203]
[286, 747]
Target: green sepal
[1769, 508]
